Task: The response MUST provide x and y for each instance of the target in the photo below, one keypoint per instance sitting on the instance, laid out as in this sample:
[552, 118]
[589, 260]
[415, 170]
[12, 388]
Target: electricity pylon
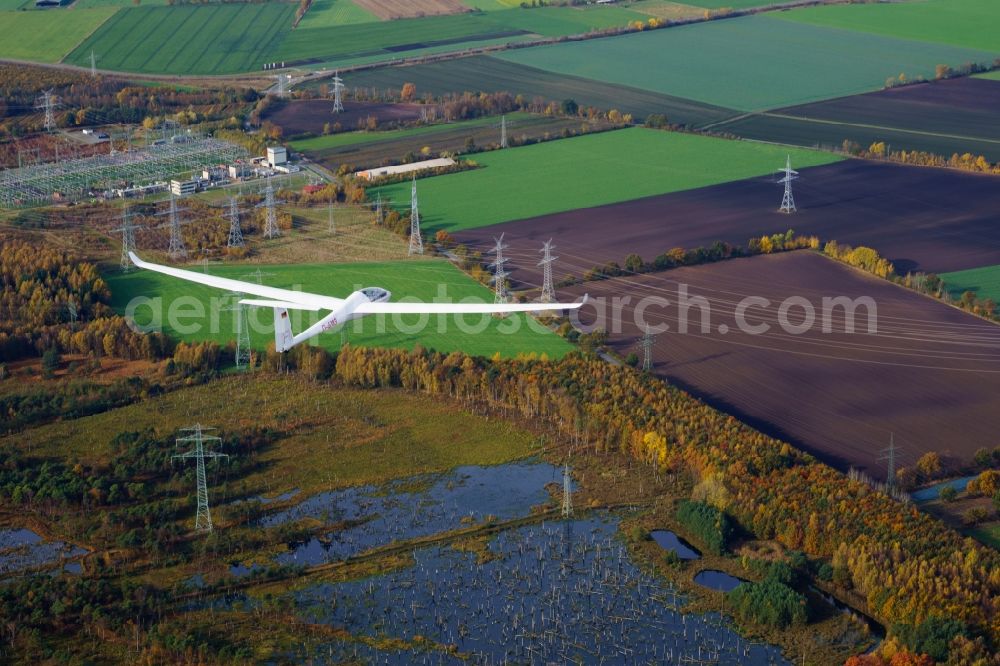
[503, 131]
[176, 248]
[338, 93]
[889, 455]
[271, 229]
[48, 103]
[203, 518]
[548, 287]
[788, 202]
[416, 241]
[648, 339]
[243, 350]
[567, 502]
[500, 274]
[235, 233]
[128, 239]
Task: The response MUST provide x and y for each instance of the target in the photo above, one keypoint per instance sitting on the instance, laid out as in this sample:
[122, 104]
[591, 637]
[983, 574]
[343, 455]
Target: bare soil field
[942, 117]
[309, 115]
[933, 220]
[927, 375]
[394, 9]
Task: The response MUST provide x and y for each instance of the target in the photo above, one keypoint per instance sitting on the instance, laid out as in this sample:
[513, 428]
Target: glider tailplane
[283, 338]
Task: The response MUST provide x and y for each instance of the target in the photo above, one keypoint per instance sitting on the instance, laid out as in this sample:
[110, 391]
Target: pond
[670, 541]
[933, 492]
[416, 507]
[717, 580]
[549, 593]
[22, 549]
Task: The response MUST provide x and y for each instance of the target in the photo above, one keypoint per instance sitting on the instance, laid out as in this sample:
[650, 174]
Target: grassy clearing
[587, 171]
[333, 438]
[734, 65]
[993, 76]
[329, 13]
[188, 39]
[968, 23]
[48, 36]
[483, 73]
[984, 282]
[424, 279]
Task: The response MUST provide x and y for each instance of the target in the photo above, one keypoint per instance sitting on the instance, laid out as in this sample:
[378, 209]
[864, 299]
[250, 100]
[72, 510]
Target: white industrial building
[277, 156]
[371, 174]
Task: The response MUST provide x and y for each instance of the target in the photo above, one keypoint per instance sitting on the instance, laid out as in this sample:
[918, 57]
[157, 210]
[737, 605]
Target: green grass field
[967, 23]
[734, 63]
[332, 438]
[589, 171]
[188, 39]
[420, 279]
[985, 282]
[48, 36]
[993, 76]
[219, 38]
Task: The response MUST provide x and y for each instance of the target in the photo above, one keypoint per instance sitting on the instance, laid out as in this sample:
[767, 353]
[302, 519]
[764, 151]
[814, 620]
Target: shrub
[770, 603]
[948, 494]
[709, 525]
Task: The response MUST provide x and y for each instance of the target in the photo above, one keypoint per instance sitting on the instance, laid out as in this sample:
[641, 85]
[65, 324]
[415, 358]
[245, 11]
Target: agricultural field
[368, 149]
[984, 282]
[396, 9]
[924, 375]
[990, 76]
[941, 117]
[188, 39]
[930, 220]
[406, 37]
[302, 116]
[329, 13]
[586, 171]
[488, 74]
[46, 37]
[731, 63]
[966, 23]
[423, 279]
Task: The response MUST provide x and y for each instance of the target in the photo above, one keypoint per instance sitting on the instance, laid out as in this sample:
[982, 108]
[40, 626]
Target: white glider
[371, 300]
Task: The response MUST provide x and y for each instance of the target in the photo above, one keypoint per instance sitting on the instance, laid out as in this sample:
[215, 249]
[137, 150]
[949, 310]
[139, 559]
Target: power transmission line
[48, 102]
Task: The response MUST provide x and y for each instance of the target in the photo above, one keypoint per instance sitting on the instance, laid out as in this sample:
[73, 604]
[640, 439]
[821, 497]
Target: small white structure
[277, 155]
[183, 187]
[239, 170]
[371, 174]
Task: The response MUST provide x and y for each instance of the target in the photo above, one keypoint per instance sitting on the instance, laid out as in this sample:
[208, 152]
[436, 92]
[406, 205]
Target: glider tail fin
[283, 338]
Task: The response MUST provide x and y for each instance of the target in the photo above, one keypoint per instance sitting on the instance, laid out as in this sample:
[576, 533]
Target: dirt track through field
[925, 219]
[927, 375]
